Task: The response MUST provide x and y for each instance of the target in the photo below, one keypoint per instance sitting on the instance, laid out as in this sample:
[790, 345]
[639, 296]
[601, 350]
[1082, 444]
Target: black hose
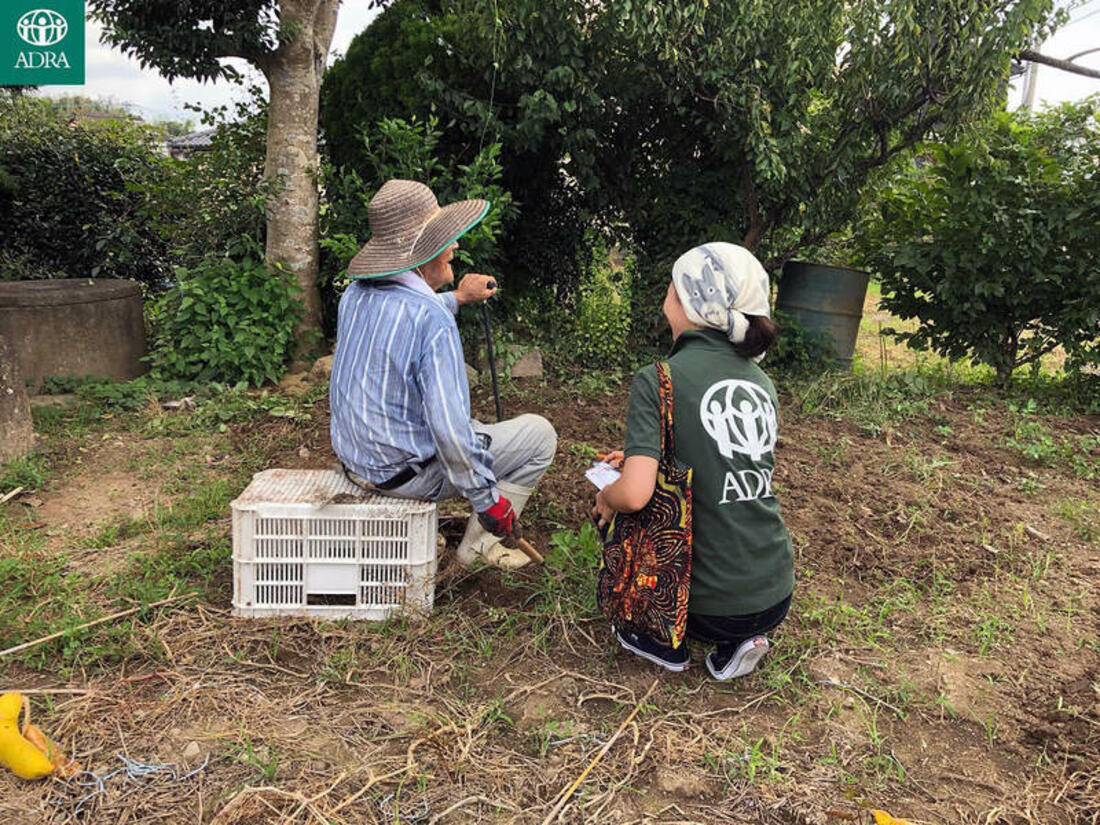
[492, 356]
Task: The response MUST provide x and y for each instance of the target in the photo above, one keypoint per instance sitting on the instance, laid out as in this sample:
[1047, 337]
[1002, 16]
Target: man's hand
[474, 288]
[500, 519]
[602, 512]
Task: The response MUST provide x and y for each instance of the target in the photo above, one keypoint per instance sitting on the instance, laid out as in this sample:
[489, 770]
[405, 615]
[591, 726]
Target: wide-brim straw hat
[408, 228]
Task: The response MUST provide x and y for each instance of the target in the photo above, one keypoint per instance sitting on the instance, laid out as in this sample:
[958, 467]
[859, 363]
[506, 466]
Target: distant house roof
[184, 145]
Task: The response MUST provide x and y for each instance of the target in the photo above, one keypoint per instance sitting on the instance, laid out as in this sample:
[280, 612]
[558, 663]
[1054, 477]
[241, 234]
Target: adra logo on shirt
[741, 418]
[41, 42]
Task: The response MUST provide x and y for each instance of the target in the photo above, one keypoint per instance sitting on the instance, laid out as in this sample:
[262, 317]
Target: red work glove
[500, 519]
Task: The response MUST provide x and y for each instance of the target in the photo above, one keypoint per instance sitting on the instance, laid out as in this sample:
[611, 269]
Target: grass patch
[1036, 441]
[566, 585]
[29, 472]
[871, 400]
[1083, 515]
[39, 592]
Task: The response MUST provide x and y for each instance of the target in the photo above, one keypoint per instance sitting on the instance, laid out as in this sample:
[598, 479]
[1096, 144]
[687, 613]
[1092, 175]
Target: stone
[472, 375]
[528, 365]
[192, 751]
[321, 369]
[296, 383]
[16, 429]
[682, 783]
[64, 399]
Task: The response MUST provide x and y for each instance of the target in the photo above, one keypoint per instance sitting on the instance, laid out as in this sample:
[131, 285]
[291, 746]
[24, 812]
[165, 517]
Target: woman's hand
[602, 513]
[614, 458]
[634, 487]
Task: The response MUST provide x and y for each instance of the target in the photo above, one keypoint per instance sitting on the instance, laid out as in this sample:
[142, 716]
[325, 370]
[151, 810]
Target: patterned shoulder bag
[645, 571]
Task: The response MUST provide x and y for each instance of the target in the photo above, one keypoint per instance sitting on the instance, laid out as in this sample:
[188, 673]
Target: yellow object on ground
[16, 753]
[63, 766]
[883, 818]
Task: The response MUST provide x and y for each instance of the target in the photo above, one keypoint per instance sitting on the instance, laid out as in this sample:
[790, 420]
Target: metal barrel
[827, 300]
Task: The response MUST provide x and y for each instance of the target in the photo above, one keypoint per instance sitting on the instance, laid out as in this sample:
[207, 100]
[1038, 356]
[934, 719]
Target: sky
[1081, 33]
[111, 75]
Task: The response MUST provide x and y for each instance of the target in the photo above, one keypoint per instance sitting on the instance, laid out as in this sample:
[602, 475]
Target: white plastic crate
[311, 543]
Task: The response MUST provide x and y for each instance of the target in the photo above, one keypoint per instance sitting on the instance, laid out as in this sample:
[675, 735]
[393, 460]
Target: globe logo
[740, 417]
[42, 27]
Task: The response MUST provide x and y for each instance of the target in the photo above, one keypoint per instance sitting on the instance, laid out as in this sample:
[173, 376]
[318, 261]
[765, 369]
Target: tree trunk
[751, 240]
[294, 73]
[1010, 346]
[16, 430]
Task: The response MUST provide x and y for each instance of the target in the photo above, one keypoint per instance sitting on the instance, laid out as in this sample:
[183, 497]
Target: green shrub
[395, 148]
[216, 196]
[991, 245]
[228, 319]
[600, 326]
[798, 351]
[28, 472]
[72, 196]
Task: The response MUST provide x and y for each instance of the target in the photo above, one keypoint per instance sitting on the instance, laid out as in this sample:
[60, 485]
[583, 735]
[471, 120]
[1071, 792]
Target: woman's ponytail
[760, 335]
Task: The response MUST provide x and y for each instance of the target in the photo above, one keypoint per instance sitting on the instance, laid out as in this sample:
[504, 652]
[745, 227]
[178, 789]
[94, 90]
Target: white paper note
[601, 474]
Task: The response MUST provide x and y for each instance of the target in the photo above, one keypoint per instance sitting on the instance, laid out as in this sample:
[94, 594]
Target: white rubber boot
[479, 542]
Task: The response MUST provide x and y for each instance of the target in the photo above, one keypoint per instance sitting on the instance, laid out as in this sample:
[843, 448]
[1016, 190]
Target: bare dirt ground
[941, 660]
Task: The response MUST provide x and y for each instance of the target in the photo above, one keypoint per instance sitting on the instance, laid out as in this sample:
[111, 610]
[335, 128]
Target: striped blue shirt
[398, 393]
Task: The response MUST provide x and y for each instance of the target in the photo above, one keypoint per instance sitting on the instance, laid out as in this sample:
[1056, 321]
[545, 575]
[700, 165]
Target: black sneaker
[723, 665]
[676, 659]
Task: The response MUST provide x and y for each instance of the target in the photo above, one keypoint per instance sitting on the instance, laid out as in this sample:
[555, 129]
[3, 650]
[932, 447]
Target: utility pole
[1031, 81]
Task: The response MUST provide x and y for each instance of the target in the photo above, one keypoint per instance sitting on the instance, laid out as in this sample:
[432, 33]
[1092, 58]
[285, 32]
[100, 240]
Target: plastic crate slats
[288, 520]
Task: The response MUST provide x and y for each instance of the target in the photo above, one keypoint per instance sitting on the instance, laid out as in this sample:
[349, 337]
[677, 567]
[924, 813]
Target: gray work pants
[522, 448]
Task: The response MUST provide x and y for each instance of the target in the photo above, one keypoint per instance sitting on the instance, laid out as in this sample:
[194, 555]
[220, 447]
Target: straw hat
[408, 228]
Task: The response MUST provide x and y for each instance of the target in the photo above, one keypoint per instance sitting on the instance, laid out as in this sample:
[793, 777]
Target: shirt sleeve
[442, 382]
[449, 300]
[643, 425]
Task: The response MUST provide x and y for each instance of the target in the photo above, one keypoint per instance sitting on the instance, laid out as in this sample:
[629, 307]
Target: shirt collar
[709, 338]
[414, 282]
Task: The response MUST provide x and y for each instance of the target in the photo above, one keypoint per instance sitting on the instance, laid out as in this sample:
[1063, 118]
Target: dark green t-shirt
[725, 419]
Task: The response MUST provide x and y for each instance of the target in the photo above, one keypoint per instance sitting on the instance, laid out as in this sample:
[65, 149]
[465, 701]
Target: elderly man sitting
[399, 400]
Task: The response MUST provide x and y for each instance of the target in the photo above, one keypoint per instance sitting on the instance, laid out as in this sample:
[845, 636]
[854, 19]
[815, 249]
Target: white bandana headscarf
[719, 284]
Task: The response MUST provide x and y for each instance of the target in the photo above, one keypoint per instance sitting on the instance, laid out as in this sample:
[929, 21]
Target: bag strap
[664, 393]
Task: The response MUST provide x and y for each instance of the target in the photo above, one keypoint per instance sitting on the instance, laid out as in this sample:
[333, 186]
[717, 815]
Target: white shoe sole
[744, 660]
[649, 657]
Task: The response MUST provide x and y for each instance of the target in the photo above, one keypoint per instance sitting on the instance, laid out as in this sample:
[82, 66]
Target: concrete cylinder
[74, 328]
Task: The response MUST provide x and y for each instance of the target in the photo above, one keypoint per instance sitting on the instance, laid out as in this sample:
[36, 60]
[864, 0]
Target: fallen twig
[86, 625]
[1031, 531]
[10, 494]
[462, 803]
[860, 691]
[568, 792]
[53, 691]
[372, 780]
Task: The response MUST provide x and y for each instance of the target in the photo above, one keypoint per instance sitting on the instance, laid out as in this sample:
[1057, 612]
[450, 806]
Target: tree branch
[231, 47]
[324, 25]
[1064, 65]
[1035, 355]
